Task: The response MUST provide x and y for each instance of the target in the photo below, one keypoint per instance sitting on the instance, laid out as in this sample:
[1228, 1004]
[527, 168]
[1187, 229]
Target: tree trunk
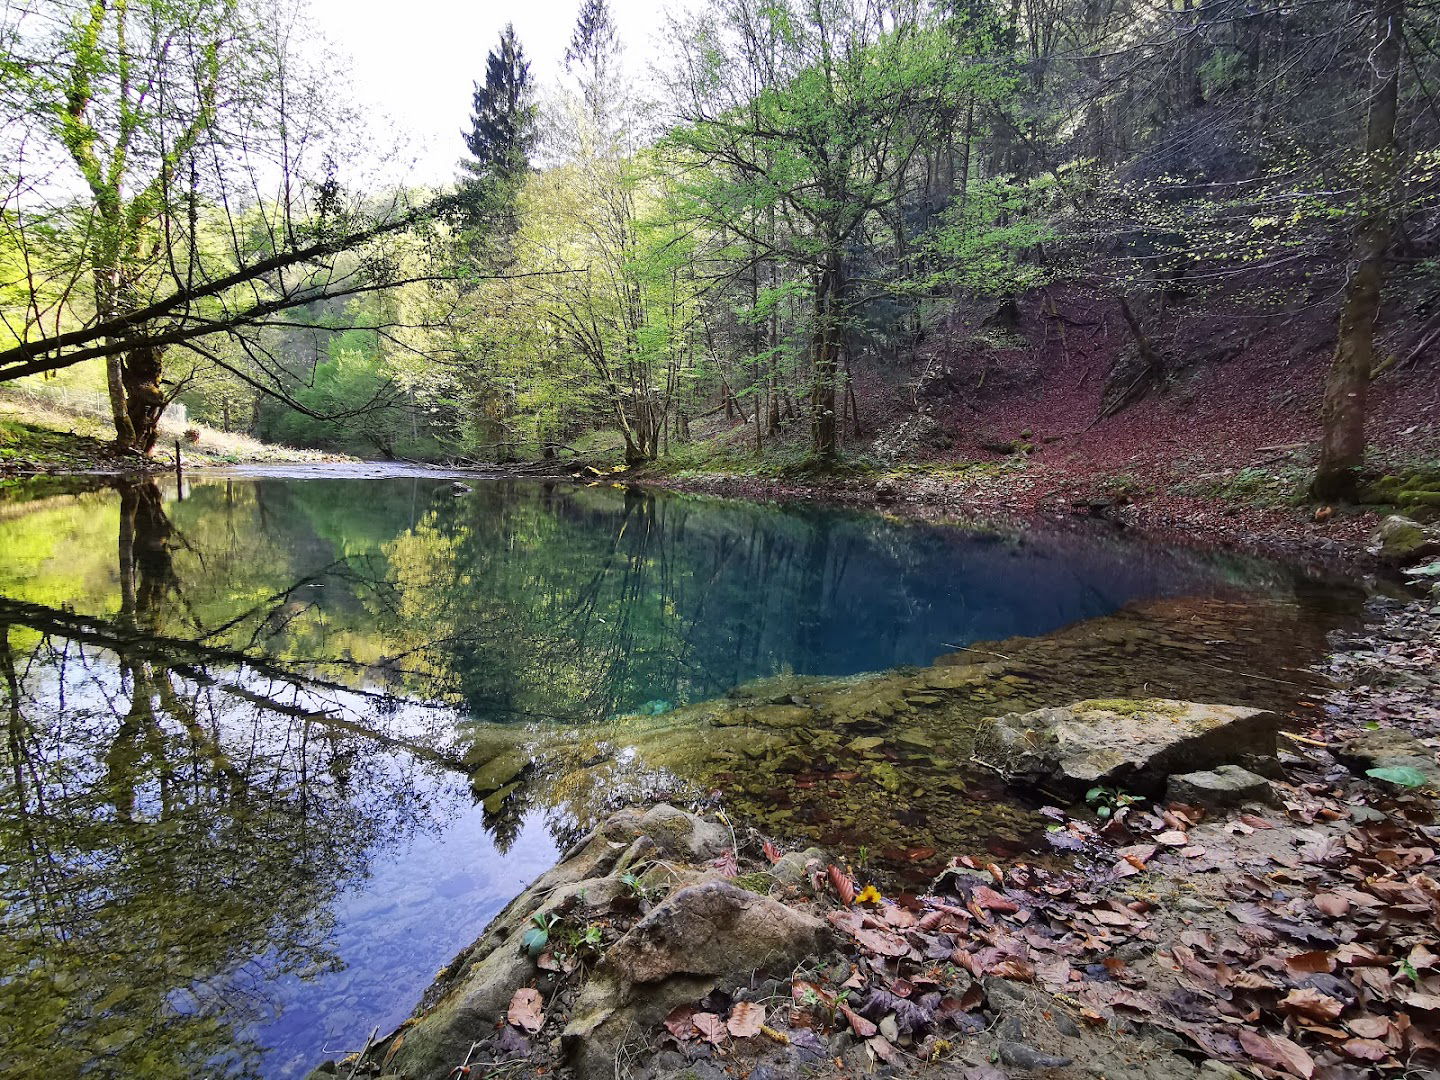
[1342, 445]
[824, 443]
[144, 400]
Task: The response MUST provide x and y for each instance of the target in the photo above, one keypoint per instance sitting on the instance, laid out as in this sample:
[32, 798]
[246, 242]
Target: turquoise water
[238, 830]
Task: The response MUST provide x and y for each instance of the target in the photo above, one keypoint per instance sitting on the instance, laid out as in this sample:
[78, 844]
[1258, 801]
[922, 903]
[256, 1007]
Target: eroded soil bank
[1277, 923]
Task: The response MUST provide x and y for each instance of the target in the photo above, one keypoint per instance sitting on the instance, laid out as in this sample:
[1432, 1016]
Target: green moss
[758, 882]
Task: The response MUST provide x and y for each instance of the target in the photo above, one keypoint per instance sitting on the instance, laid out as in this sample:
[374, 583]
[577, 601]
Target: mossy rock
[758, 882]
[1414, 497]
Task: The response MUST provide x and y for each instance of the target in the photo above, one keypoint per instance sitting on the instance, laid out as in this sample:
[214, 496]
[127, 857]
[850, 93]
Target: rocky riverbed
[1236, 896]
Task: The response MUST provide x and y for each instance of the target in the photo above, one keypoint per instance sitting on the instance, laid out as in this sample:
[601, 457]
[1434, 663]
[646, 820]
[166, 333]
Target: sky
[416, 59]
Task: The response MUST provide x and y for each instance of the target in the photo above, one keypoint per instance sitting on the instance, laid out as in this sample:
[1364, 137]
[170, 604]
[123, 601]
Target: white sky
[416, 59]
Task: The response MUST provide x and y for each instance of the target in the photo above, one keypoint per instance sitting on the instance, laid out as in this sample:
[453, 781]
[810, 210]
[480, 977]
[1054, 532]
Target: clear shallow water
[239, 827]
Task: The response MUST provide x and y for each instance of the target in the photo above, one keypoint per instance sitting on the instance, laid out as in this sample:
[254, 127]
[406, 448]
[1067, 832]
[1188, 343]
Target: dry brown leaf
[710, 1026]
[988, 898]
[1365, 1049]
[1371, 1027]
[1311, 962]
[863, 1028]
[678, 1021]
[1311, 1003]
[527, 1010]
[843, 885]
[1332, 904]
[746, 1019]
[1255, 822]
[1013, 968]
[1277, 1052]
[1173, 838]
[882, 942]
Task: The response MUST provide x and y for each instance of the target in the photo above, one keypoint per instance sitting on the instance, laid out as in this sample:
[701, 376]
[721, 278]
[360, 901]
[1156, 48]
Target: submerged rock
[701, 936]
[1132, 742]
[1225, 785]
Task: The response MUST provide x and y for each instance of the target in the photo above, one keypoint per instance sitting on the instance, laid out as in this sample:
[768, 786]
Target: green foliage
[1107, 800]
[1401, 775]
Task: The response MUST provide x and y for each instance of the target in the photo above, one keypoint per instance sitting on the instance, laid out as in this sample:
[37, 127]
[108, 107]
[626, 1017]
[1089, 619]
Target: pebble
[1021, 1056]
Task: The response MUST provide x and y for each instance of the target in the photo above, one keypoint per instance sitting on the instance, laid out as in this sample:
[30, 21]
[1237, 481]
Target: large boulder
[1401, 542]
[702, 936]
[475, 991]
[1132, 743]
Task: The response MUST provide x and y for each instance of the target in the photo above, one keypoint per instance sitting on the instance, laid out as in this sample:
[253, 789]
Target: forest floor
[1009, 422]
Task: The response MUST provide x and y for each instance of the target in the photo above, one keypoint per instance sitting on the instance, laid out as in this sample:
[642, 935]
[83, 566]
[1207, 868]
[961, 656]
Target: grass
[45, 438]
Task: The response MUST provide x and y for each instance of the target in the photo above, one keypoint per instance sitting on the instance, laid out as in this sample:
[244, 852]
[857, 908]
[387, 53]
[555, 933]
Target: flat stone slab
[1224, 785]
[1120, 741]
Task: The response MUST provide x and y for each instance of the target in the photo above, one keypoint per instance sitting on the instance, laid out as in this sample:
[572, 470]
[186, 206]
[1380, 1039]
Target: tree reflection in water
[230, 717]
[176, 825]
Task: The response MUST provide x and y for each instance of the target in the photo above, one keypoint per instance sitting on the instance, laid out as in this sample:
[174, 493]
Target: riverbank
[1335, 536]
[40, 441]
[1274, 922]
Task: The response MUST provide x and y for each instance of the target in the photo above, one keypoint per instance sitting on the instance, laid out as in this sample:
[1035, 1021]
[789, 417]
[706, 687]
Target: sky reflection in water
[239, 823]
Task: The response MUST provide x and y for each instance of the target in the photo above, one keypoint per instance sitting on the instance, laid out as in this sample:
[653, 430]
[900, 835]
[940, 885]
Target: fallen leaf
[746, 1019]
[711, 1027]
[527, 1010]
[1256, 822]
[1173, 838]
[989, 899]
[1311, 1003]
[678, 1022]
[882, 942]
[1311, 962]
[858, 1024]
[843, 885]
[1365, 1049]
[1277, 1052]
[1332, 904]
[773, 853]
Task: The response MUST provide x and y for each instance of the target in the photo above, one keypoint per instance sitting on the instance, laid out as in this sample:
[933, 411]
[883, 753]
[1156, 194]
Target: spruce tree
[502, 123]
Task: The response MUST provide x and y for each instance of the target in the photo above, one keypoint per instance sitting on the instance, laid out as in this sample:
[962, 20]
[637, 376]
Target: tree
[820, 125]
[503, 120]
[1342, 446]
[167, 181]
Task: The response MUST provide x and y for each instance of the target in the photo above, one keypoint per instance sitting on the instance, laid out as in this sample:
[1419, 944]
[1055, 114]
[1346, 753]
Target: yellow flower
[868, 895]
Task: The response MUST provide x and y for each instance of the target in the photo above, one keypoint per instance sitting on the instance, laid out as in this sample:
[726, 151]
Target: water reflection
[237, 817]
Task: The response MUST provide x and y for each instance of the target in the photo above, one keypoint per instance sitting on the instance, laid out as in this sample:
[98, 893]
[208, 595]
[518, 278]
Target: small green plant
[1107, 800]
[537, 937]
[585, 941]
[1405, 776]
[862, 857]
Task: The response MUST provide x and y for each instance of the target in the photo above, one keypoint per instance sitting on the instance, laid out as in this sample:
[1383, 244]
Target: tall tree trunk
[1342, 445]
[824, 442]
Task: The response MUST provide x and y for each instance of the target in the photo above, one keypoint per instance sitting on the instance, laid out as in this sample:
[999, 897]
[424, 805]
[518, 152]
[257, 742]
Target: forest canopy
[801, 196]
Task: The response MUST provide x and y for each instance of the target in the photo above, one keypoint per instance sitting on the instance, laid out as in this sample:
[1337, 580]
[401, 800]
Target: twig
[360, 1057]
